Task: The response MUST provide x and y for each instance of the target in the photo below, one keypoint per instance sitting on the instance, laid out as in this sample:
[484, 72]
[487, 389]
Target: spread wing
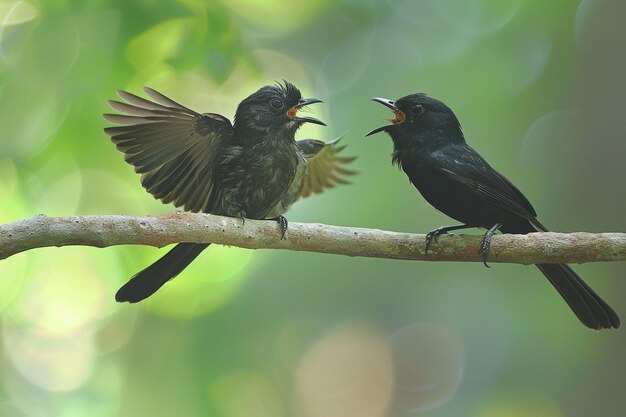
[325, 167]
[471, 170]
[173, 147]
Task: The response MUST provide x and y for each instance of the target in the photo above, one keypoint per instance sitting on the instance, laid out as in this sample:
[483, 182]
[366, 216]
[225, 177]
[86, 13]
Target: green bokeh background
[539, 88]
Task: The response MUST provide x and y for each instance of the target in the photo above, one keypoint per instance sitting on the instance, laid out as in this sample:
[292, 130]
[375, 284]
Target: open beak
[398, 115]
[292, 112]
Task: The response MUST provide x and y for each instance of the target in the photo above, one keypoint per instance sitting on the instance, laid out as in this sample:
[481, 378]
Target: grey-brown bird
[203, 163]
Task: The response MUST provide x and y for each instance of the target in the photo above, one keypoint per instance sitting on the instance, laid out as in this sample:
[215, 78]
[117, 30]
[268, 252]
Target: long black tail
[146, 282]
[592, 310]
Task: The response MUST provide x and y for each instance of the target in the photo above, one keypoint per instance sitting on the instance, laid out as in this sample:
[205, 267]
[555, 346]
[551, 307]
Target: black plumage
[203, 163]
[430, 148]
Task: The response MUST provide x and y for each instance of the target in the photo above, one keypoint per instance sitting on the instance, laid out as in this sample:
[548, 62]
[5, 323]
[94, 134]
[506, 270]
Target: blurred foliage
[539, 89]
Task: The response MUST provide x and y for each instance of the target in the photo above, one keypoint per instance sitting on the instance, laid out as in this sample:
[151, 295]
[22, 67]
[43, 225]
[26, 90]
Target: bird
[430, 147]
[202, 162]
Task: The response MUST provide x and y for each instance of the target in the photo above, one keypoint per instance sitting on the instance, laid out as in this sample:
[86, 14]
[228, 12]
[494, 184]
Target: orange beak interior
[399, 117]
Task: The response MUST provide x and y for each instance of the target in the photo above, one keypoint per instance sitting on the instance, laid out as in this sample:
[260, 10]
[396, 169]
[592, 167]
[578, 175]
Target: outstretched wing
[325, 167]
[173, 147]
[471, 170]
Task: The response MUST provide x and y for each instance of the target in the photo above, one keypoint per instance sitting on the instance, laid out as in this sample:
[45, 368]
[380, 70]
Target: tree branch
[108, 230]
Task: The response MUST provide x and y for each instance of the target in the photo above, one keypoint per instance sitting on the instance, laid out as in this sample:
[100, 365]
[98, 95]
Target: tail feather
[147, 281]
[590, 309]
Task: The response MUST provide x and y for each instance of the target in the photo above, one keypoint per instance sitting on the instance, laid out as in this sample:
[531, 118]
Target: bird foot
[486, 243]
[434, 235]
[283, 223]
[242, 216]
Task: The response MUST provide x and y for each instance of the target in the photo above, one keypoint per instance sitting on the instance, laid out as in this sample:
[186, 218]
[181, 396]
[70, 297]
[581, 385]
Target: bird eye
[417, 109]
[276, 104]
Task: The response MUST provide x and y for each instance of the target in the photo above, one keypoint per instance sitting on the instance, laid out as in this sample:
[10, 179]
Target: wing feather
[325, 169]
[471, 170]
[172, 146]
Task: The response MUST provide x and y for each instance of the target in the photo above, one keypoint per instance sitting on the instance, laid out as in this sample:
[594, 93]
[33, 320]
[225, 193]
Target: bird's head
[273, 108]
[420, 117]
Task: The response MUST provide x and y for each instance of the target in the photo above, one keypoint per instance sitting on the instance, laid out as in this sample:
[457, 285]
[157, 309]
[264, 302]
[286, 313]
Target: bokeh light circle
[348, 373]
[429, 361]
[53, 363]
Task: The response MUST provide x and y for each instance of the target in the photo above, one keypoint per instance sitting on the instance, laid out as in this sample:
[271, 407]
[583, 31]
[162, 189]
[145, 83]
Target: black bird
[204, 164]
[430, 148]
